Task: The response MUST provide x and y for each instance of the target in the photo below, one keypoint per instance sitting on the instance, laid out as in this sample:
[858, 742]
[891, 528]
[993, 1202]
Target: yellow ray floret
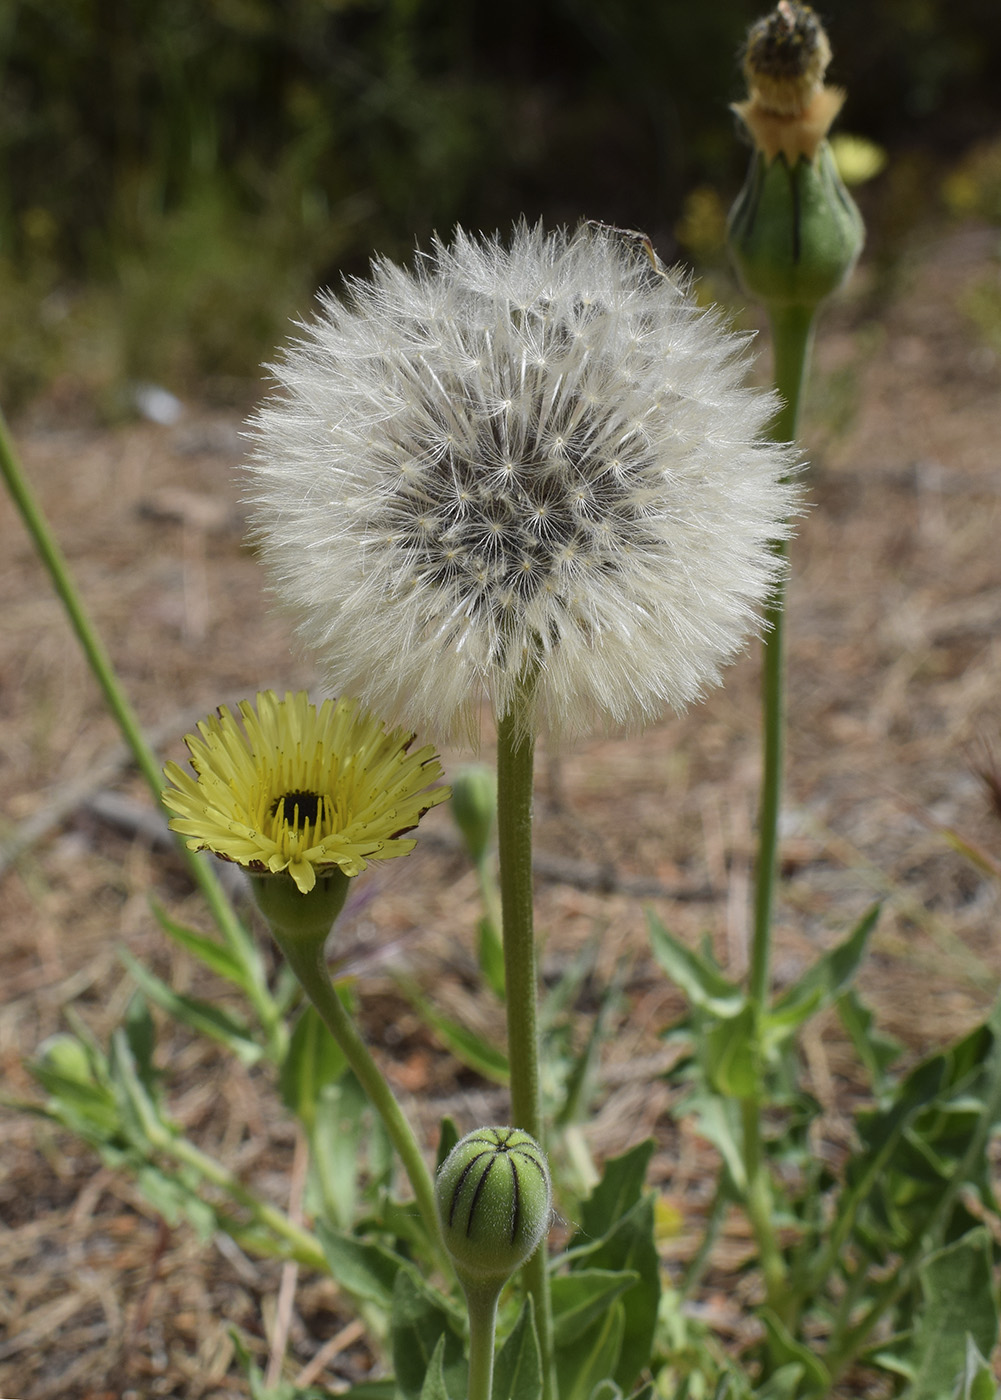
[301, 789]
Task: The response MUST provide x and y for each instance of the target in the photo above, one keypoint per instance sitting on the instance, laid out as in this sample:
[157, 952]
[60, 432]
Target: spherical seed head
[539, 457]
[494, 1201]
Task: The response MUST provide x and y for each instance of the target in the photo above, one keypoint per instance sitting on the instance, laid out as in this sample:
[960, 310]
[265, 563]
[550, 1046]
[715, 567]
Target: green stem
[233, 932]
[303, 1247]
[306, 959]
[792, 334]
[515, 760]
[481, 1305]
[758, 1203]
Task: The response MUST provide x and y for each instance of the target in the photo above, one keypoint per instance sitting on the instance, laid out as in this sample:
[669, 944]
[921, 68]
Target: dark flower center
[300, 808]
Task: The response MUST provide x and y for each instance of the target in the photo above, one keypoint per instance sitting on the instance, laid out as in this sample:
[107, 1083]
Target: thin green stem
[792, 334]
[515, 764]
[233, 932]
[758, 1203]
[303, 1247]
[481, 1305]
[306, 959]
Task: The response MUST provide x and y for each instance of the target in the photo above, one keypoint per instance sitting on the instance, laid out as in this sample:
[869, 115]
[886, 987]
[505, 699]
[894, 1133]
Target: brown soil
[895, 678]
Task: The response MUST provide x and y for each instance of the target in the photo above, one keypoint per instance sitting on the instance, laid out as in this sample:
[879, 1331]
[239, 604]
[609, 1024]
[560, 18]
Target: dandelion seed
[567, 478]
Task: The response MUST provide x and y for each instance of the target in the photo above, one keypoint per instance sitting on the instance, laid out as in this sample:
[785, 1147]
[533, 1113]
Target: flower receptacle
[297, 917]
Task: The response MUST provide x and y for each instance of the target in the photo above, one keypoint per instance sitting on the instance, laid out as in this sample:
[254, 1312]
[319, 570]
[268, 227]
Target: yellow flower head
[301, 790]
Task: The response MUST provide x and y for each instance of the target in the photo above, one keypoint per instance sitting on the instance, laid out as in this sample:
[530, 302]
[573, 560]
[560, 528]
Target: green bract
[794, 232]
[494, 1201]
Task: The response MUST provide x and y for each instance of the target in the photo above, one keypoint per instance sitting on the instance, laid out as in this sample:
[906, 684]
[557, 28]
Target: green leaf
[630, 1247]
[218, 958]
[876, 1050]
[595, 1356]
[580, 1297]
[447, 1138]
[730, 1050]
[978, 1378]
[434, 1382]
[824, 982]
[347, 1139]
[606, 1390]
[468, 1047]
[78, 1085]
[313, 1060]
[421, 1317]
[364, 1269]
[617, 1192]
[960, 1305]
[786, 1350]
[490, 954]
[200, 1016]
[702, 982]
[518, 1368]
[141, 1035]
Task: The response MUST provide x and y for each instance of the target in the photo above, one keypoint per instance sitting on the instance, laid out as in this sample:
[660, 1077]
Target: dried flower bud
[794, 231]
[789, 110]
[494, 1201]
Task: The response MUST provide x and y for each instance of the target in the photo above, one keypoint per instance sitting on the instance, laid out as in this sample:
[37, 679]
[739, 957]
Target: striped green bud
[794, 232]
[494, 1201]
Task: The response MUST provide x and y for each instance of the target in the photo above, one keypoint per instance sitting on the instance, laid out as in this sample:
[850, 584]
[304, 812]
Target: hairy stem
[306, 959]
[481, 1305]
[515, 763]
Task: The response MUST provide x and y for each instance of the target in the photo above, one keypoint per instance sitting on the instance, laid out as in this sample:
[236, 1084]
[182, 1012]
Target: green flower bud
[474, 807]
[494, 1200]
[794, 232]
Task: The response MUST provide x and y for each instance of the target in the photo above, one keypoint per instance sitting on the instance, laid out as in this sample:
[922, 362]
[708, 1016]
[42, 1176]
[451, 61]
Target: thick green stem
[515, 761]
[305, 957]
[481, 1305]
[100, 664]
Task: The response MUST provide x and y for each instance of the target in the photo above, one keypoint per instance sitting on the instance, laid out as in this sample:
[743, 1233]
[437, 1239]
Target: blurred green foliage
[176, 176]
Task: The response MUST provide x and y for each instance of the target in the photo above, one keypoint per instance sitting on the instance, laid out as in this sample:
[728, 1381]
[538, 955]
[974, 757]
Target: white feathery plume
[535, 457]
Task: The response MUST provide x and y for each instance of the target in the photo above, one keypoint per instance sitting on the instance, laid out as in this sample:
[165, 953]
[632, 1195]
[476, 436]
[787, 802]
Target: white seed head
[540, 456]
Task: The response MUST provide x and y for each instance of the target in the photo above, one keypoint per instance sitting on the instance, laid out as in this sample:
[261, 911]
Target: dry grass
[895, 657]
